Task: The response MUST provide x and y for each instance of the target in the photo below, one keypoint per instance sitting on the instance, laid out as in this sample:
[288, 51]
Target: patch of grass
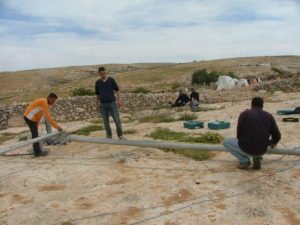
[208, 138]
[87, 130]
[188, 117]
[4, 100]
[162, 107]
[209, 109]
[127, 119]
[97, 121]
[273, 90]
[4, 138]
[165, 118]
[175, 87]
[140, 90]
[166, 134]
[8, 134]
[23, 138]
[130, 131]
[191, 153]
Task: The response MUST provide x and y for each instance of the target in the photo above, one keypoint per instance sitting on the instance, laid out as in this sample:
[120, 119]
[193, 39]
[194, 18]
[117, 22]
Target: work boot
[243, 165]
[257, 162]
[122, 137]
[108, 137]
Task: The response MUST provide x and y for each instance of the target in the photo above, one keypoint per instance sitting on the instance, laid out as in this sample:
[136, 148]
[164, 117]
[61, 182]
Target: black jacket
[183, 98]
[254, 129]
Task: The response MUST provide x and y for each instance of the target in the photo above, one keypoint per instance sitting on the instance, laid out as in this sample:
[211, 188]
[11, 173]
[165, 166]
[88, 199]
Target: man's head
[192, 89]
[257, 102]
[180, 92]
[102, 72]
[51, 98]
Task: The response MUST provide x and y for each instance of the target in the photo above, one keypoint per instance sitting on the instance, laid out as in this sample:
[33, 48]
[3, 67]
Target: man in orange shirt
[33, 115]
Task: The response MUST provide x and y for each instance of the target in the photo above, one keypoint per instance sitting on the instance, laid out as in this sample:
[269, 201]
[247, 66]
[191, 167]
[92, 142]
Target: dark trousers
[178, 104]
[33, 126]
[112, 109]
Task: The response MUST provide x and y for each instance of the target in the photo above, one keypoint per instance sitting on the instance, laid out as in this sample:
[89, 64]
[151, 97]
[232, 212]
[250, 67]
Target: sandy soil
[90, 184]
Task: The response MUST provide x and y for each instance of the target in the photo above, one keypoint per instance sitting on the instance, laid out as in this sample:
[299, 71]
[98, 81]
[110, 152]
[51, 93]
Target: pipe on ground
[204, 147]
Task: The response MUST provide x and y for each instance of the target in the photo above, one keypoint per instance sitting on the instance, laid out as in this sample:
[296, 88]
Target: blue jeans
[232, 145]
[105, 110]
[194, 105]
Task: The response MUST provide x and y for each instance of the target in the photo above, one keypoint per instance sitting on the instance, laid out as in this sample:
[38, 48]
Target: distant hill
[24, 86]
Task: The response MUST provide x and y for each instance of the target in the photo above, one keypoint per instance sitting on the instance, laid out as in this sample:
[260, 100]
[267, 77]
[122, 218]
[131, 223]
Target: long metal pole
[22, 144]
[205, 147]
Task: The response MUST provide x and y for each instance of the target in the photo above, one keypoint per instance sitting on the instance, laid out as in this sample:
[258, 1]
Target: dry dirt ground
[91, 184]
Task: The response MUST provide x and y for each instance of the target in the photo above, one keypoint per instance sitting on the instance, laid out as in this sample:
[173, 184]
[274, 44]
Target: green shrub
[140, 90]
[203, 77]
[232, 75]
[82, 92]
[282, 73]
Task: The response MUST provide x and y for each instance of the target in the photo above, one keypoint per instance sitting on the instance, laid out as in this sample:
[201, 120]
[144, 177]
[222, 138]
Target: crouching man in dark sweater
[254, 129]
[105, 89]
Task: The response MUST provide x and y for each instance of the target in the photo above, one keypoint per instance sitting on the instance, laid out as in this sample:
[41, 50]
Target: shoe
[42, 153]
[244, 165]
[108, 137]
[257, 163]
[122, 138]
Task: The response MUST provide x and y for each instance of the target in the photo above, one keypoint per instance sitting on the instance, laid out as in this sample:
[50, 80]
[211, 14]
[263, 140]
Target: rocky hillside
[22, 86]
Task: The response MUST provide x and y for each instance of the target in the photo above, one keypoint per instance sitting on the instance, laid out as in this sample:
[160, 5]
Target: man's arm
[48, 116]
[275, 133]
[119, 100]
[97, 102]
[239, 126]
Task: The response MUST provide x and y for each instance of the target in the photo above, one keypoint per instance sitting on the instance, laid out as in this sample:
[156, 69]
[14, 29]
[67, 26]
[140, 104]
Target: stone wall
[82, 107]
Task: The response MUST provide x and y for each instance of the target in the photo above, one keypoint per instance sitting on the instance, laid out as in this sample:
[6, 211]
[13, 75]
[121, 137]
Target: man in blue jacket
[254, 129]
[105, 89]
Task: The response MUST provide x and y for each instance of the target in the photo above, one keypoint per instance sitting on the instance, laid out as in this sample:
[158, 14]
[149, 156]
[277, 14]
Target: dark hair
[100, 69]
[257, 102]
[52, 95]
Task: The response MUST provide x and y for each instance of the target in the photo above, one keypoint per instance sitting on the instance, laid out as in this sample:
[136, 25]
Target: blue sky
[55, 33]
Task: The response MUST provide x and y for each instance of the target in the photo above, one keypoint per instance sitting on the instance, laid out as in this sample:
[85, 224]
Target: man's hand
[59, 129]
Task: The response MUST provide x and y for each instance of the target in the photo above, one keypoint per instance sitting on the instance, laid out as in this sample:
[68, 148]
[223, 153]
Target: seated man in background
[194, 98]
[33, 115]
[254, 129]
[182, 99]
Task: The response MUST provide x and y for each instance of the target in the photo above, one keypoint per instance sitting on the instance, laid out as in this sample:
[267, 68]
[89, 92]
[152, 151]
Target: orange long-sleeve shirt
[36, 109]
